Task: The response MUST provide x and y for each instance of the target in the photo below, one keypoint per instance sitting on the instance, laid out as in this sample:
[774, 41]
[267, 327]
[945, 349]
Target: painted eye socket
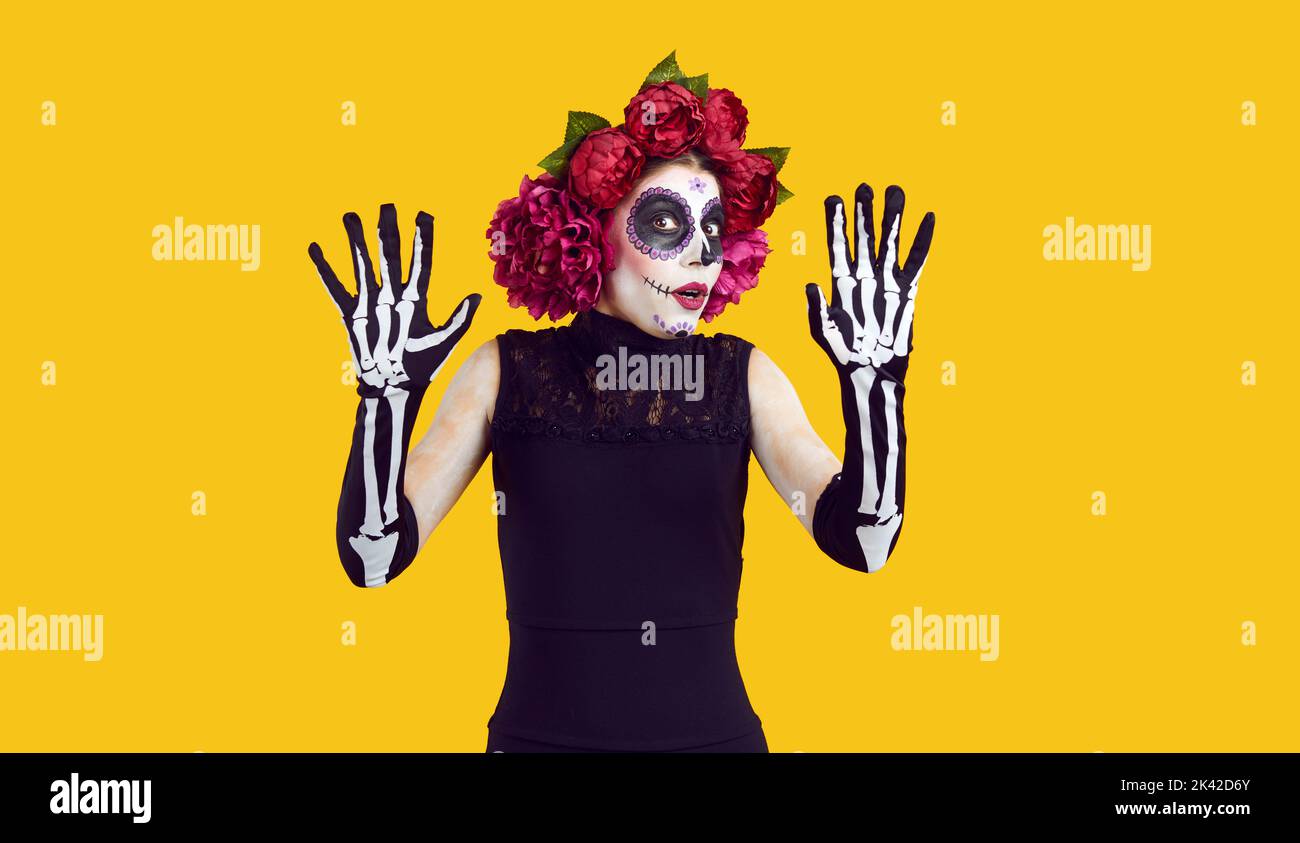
[660, 224]
[665, 222]
[712, 216]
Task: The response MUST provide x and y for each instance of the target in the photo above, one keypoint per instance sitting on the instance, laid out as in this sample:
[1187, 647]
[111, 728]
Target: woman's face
[667, 236]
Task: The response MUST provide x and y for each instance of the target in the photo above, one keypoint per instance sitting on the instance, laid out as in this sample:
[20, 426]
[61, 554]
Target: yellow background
[222, 632]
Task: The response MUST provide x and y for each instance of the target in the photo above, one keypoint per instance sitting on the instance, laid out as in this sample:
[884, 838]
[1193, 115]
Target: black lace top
[549, 386]
[621, 533]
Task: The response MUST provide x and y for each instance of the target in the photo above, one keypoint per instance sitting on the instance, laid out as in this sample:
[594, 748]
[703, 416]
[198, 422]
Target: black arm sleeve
[377, 532]
[858, 516]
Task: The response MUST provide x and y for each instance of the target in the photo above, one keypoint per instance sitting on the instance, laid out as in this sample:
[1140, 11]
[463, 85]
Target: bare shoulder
[767, 383]
[484, 362]
[475, 384]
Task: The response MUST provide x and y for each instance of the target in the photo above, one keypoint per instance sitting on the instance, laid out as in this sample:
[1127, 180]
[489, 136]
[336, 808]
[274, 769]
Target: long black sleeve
[377, 532]
[858, 516]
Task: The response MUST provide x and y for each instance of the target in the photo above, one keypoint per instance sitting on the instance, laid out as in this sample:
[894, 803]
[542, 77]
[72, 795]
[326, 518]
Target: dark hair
[692, 157]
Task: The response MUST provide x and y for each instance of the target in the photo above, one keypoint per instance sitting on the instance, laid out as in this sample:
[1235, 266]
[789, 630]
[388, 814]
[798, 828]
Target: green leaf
[781, 193]
[777, 154]
[665, 71]
[559, 159]
[583, 123]
[698, 85]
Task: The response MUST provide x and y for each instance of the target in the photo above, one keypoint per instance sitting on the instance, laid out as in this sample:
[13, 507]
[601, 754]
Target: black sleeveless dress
[620, 533]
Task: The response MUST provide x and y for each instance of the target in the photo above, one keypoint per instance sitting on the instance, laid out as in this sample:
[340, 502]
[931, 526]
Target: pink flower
[604, 167]
[743, 256]
[725, 121]
[748, 191]
[549, 249]
[664, 119]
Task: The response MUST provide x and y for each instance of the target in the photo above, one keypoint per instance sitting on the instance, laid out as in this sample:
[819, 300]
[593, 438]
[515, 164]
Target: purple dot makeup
[680, 328]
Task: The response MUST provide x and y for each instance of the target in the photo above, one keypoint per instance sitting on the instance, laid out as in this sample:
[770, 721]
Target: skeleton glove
[867, 333]
[395, 353]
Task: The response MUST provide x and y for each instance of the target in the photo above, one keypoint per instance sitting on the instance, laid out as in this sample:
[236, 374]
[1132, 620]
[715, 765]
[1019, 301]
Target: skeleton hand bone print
[414, 352]
[867, 333]
[394, 361]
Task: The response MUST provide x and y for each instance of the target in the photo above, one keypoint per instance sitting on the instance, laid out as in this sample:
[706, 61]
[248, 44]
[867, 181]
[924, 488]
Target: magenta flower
[743, 256]
[549, 249]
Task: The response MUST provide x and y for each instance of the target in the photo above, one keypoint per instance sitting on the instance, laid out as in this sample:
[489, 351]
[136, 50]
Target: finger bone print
[406, 307]
[869, 343]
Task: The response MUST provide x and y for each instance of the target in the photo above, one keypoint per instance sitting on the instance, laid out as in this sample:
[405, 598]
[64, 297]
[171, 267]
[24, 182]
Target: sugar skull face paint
[660, 224]
[667, 236]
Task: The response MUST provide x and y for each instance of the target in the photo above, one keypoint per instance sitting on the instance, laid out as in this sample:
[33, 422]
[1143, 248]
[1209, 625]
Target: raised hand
[867, 333]
[869, 321]
[392, 341]
[395, 353]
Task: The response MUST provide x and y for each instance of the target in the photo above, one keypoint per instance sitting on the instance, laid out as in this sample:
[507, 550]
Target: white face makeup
[667, 238]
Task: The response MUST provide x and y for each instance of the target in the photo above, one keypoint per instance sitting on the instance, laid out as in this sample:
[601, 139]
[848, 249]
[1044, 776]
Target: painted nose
[708, 257]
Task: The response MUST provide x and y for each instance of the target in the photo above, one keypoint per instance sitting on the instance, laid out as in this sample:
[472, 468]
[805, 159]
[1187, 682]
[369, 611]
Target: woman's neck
[604, 306]
[607, 329]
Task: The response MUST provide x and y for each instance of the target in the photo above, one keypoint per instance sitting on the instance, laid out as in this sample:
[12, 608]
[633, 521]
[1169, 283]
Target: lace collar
[603, 333]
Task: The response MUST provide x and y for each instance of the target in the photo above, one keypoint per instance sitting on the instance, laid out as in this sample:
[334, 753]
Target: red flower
[604, 167]
[664, 119]
[549, 249]
[748, 191]
[743, 255]
[725, 121]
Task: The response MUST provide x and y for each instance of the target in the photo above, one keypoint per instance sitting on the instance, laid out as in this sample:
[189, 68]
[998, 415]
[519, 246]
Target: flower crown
[548, 243]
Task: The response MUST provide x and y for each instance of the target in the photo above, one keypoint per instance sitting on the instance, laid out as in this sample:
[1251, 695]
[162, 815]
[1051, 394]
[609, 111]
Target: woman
[621, 441]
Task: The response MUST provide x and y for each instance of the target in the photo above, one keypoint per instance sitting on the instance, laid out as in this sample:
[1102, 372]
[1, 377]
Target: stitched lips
[691, 296]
